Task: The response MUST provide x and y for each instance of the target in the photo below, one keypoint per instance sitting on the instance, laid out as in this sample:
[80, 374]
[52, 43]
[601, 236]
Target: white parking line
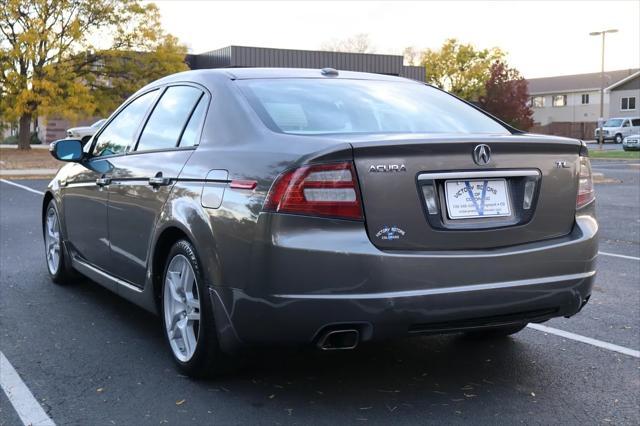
[623, 256]
[23, 401]
[26, 188]
[587, 340]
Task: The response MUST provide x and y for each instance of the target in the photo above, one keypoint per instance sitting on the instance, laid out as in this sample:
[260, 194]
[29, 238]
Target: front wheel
[59, 271]
[496, 332]
[187, 315]
[618, 138]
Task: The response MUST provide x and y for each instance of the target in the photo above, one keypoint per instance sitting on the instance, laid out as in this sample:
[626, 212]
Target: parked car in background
[631, 143]
[84, 133]
[292, 206]
[616, 129]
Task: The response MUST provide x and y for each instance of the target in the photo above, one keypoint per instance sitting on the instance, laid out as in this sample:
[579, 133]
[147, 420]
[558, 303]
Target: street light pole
[601, 119]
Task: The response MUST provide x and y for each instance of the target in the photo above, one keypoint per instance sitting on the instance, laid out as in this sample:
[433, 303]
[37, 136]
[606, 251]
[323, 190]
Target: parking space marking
[584, 339]
[623, 256]
[26, 188]
[23, 401]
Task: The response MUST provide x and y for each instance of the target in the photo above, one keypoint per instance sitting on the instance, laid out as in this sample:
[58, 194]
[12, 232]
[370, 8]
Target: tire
[185, 298]
[496, 332]
[618, 138]
[58, 266]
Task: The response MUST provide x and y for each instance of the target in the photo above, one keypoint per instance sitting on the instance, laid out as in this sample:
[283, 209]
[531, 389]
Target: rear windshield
[323, 106]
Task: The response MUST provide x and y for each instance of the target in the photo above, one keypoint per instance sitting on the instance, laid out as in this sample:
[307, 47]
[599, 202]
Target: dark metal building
[242, 56]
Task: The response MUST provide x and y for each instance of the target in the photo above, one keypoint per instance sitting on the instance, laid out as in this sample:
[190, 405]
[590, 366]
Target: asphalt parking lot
[90, 358]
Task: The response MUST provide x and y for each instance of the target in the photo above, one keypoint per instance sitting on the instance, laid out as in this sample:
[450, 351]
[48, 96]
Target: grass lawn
[618, 155]
[11, 158]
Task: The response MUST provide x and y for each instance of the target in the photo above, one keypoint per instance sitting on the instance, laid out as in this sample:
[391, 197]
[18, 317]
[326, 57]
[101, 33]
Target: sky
[542, 38]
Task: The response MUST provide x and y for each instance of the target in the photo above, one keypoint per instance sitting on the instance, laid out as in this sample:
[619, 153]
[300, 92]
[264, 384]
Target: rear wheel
[57, 266]
[496, 332]
[187, 315]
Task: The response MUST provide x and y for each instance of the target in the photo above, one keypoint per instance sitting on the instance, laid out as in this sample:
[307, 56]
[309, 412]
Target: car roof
[251, 73]
[260, 73]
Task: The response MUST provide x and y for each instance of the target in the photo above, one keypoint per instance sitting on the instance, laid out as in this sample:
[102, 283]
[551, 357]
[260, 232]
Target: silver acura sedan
[265, 206]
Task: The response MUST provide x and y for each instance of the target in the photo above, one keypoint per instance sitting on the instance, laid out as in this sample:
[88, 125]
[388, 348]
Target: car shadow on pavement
[437, 370]
[442, 369]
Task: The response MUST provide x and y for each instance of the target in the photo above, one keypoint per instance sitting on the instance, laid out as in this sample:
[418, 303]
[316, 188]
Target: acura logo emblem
[482, 155]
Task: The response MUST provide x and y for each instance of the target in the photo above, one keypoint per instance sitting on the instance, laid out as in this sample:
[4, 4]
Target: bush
[13, 140]
[34, 139]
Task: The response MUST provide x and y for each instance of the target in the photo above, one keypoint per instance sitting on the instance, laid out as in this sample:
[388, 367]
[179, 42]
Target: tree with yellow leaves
[78, 57]
[460, 68]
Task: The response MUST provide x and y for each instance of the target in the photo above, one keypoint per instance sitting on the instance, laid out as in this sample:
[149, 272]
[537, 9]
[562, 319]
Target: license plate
[477, 198]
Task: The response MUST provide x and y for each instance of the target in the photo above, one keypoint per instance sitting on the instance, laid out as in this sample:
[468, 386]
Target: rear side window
[118, 135]
[168, 118]
[192, 131]
[635, 122]
[323, 106]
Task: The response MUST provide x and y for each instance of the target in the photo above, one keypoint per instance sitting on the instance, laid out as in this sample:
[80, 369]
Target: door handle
[158, 180]
[103, 181]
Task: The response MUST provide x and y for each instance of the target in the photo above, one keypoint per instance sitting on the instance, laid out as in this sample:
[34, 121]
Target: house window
[559, 100]
[627, 104]
[537, 101]
[585, 99]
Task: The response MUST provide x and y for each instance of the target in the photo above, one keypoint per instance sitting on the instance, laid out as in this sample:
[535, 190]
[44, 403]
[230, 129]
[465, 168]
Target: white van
[616, 129]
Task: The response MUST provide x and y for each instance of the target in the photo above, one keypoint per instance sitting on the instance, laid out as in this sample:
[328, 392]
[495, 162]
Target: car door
[626, 128]
[85, 189]
[142, 180]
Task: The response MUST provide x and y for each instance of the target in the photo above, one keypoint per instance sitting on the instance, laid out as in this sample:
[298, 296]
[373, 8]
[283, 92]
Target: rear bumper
[306, 279]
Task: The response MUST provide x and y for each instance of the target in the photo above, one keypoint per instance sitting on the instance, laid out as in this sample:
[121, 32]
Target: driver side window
[117, 137]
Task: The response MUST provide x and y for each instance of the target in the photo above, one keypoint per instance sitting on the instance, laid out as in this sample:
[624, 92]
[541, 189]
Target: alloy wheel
[181, 308]
[52, 240]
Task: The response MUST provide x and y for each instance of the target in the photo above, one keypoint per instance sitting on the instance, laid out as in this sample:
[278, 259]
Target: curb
[28, 172]
[27, 177]
[37, 146]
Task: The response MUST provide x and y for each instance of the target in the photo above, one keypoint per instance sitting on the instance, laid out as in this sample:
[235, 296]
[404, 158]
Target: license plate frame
[496, 193]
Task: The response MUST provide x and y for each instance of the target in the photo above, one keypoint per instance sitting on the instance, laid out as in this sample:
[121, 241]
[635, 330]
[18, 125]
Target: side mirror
[67, 150]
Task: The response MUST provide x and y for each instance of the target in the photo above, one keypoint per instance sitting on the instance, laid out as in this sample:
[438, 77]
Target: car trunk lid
[399, 176]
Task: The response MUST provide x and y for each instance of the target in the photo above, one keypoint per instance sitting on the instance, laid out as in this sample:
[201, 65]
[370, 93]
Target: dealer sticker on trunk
[477, 198]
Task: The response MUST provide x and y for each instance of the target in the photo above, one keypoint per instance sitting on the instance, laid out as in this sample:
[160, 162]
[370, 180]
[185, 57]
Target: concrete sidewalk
[27, 172]
[14, 146]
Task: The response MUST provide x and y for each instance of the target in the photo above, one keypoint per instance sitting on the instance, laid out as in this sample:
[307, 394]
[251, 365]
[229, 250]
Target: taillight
[586, 193]
[329, 190]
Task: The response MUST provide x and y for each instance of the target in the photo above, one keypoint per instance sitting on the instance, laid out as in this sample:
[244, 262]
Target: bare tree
[358, 43]
[411, 55]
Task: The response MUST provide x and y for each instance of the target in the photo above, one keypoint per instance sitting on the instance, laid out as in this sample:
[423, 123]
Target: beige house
[569, 105]
[624, 97]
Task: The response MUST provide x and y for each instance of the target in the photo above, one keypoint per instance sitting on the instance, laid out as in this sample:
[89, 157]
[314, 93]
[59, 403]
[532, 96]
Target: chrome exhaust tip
[339, 340]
